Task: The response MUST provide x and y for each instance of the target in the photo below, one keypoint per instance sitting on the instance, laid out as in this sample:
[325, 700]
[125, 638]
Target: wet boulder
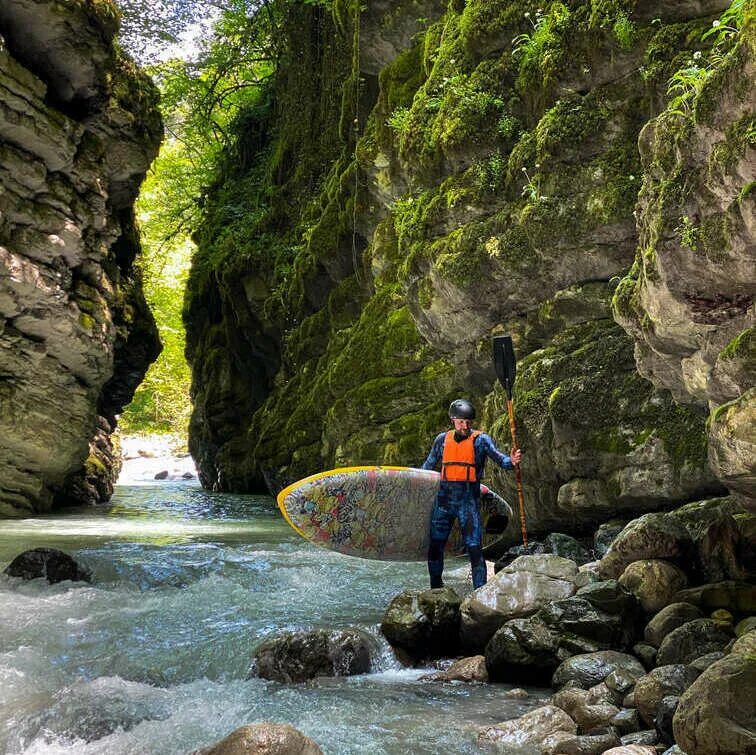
[590, 669]
[646, 654]
[527, 733]
[691, 641]
[568, 547]
[563, 743]
[654, 582]
[589, 709]
[644, 737]
[670, 617]
[263, 739]
[651, 536]
[471, 670]
[632, 750]
[716, 539]
[663, 721]
[626, 721]
[533, 548]
[605, 535]
[518, 590]
[579, 616]
[49, 563]
[424, 623]
[530, 648]
[736, 597]
[298, 656]
[716, 713]
[659, 683]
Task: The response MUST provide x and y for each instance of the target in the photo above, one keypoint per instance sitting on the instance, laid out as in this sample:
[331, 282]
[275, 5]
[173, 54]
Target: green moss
[743, 346]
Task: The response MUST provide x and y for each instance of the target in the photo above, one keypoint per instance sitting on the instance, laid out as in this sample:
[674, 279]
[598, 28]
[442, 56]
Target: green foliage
[688, 232]
[686, 84]
[540, 52]
[201, 99]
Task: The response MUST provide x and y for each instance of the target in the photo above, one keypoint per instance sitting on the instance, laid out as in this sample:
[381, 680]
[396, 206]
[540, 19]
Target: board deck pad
[379, 512]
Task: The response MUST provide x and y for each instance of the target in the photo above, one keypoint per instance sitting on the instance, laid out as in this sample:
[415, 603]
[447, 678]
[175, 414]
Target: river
[152, 657]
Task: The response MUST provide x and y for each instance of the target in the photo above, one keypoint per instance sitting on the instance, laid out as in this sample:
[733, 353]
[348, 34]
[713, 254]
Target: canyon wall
[79, 127]
[425, 175]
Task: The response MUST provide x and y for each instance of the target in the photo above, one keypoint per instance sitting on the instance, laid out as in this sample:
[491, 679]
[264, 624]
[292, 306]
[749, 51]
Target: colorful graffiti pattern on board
[371, 512]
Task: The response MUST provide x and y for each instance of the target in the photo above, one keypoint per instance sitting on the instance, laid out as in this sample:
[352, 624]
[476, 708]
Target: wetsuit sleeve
[436, 453]
[493, 453]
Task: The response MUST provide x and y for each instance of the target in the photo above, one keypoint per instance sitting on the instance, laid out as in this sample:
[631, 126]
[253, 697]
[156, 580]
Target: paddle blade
[505, 362]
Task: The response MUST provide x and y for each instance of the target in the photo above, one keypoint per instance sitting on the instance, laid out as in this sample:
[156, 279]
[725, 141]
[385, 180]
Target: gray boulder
[643, 737]
[471, 670]
[716, 713]
[263, 739]
[651, 536]
[646, 654]
[519, 589]
[50, 564]
[670, 617]
[659, 683]
[691, 641]
[296, 657]
[424, 623]
[589, 669]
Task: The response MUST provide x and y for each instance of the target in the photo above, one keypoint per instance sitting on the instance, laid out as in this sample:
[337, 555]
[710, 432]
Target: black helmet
[461, 409]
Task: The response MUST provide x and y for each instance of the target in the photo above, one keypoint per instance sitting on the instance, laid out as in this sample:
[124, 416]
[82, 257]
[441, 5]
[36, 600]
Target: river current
[153, 656]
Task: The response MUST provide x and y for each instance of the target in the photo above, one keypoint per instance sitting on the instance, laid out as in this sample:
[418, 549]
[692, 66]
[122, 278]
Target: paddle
[506, 369]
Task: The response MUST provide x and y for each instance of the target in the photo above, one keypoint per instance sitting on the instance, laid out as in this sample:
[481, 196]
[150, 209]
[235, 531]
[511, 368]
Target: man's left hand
[516, 457]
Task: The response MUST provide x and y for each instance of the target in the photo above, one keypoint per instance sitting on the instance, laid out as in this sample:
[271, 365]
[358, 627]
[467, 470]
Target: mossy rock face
[688, 300]
[80, 126]
[470, 181]
[598, 438]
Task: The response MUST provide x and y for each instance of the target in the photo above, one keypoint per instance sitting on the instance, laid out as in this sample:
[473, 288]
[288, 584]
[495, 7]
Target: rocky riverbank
[648, 647]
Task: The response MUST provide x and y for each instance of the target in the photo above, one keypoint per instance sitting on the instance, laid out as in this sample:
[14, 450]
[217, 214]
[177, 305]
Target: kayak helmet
[461, 409]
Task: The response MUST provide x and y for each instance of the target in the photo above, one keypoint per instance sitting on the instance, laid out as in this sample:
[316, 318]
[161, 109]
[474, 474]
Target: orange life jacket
[458, 461]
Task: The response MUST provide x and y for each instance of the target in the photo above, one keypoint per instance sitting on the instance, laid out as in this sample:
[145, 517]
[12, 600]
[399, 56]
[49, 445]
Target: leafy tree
[200, 97]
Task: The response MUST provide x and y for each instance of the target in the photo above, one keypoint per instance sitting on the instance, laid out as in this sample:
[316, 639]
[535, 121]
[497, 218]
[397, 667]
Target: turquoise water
[153, 656]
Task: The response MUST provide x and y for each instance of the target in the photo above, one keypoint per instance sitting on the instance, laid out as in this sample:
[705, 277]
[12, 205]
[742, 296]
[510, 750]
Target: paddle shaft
[518, 476]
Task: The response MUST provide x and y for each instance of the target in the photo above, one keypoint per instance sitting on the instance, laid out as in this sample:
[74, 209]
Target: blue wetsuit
[461, 501]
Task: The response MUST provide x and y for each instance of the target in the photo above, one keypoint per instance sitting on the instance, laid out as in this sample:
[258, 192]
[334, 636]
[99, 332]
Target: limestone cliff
[688, 299]
[426, 175]
[78, 128]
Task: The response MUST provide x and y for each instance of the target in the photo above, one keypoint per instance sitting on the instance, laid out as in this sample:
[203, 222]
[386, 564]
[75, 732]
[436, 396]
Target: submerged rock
[49, 563]
[296, 657]
[263, 739]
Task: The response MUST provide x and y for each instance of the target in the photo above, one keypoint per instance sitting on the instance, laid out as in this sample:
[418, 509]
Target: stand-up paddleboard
[379, 512]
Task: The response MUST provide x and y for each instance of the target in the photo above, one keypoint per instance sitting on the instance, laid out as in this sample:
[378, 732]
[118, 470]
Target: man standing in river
[462, 453]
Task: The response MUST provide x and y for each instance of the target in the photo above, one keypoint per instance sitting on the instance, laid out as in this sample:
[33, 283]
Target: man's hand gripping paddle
[506, 368]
